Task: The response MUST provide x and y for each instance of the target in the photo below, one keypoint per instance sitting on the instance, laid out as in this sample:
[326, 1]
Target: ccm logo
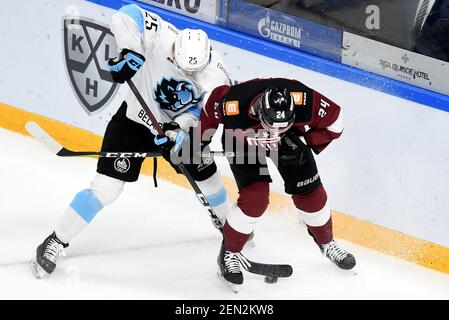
[232, 108]
[126, 155]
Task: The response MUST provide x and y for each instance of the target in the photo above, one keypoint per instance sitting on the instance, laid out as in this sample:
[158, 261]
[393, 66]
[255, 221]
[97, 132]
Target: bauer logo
[88, 46]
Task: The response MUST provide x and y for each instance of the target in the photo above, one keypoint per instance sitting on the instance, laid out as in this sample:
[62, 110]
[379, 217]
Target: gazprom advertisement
[287, 30]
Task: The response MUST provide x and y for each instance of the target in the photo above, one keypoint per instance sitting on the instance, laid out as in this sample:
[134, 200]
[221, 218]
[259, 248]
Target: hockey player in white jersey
[175, 71]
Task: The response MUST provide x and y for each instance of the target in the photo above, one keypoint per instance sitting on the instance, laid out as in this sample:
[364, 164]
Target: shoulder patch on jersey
[298, 98]
[232, 108]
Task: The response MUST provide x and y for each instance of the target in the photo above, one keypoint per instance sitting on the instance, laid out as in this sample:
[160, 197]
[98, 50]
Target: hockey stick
[265, 269]
[54, 146]
[269, 270]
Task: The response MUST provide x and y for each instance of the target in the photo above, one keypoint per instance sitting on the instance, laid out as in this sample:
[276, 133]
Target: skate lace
[232, 262]
[53, 250]
[333, 251]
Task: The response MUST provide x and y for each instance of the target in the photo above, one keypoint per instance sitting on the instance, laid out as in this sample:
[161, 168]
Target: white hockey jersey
[170, 94]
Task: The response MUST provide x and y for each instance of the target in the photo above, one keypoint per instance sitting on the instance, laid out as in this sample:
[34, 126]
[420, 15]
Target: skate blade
[352, 271]
[37, 270]
[234, 287]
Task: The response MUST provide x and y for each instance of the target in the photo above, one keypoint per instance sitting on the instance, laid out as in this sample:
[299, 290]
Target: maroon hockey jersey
[317, 118]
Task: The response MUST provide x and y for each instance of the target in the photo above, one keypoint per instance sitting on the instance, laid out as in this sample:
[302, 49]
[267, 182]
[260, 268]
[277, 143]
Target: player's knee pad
[106, 189]
[312, 201]
[87, 203]
[313, 206]
[254, 198]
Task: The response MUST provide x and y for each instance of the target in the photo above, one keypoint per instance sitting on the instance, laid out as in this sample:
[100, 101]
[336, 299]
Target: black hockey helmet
[276, 109]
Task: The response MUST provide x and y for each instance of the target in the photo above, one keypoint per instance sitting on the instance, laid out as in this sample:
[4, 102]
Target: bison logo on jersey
[175, 95]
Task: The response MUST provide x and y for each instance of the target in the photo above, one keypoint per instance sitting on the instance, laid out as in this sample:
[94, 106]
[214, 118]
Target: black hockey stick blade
[266, 269]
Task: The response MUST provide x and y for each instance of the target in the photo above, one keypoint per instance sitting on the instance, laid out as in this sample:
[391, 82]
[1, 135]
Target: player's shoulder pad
[136, 13]
[171, 28]
[168, 34]
[219, 92]
[144, 19]
[215, 99]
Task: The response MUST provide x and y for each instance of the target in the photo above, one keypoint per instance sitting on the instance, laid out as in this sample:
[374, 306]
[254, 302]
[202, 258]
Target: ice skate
[47, 254]
[343, 259]
[229, 269]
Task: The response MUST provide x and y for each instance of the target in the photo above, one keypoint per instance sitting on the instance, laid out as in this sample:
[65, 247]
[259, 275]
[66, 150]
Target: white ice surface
[159, 244]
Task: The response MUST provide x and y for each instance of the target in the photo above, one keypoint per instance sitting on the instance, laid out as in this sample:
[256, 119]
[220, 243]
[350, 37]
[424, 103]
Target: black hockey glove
[291, 151]
[126, 66]
[173, 139]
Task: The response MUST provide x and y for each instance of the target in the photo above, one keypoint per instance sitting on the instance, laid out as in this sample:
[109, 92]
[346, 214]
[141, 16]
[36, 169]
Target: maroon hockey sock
[234, 240]
[322, 234]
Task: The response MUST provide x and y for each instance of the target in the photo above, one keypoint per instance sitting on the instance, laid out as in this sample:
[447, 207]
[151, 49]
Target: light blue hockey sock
[86, 205]
[218, 198]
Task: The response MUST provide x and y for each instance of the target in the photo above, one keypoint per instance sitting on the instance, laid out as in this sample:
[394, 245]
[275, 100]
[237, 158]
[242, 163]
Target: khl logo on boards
[87, 46]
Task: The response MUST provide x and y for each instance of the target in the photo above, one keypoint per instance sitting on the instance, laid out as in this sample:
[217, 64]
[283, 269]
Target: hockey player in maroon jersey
[290, 121]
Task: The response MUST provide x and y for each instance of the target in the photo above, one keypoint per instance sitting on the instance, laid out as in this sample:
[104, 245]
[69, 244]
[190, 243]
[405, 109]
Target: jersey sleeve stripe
[134, 12]
[337, 125]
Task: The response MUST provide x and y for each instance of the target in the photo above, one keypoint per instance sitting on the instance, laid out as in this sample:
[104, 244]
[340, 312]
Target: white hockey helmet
[192, 50]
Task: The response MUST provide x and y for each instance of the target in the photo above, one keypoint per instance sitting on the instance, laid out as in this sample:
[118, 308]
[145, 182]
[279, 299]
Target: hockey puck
[271, 279]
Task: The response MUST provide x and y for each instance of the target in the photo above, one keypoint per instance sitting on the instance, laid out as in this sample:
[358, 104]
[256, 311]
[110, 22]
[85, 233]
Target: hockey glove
[173, 139]
[292, 149]
[126, 66]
